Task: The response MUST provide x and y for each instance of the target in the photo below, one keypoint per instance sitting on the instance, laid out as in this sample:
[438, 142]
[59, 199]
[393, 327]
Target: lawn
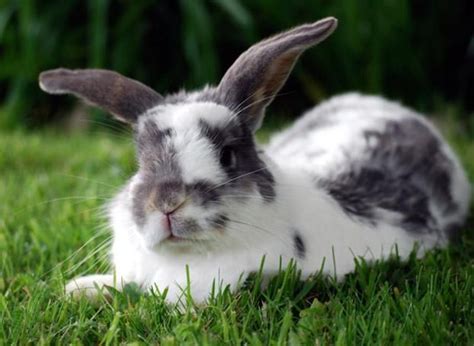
[52, 228]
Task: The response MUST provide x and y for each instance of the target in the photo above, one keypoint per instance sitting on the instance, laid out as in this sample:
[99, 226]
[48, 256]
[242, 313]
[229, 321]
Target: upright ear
[123, 97]
[258, 74]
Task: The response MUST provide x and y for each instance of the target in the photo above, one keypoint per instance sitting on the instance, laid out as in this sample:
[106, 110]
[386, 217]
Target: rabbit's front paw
[90, 286]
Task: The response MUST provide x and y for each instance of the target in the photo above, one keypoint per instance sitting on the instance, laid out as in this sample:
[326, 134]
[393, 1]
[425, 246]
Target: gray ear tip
[43, 80]
[50, 80]
[323, 28]
[329, 22]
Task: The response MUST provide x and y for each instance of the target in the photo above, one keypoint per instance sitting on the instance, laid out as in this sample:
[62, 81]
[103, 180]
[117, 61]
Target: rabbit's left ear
[123, 97]
[258, 74]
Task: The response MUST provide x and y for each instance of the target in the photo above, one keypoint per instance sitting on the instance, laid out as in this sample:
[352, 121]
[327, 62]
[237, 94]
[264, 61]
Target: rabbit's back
[380, 161]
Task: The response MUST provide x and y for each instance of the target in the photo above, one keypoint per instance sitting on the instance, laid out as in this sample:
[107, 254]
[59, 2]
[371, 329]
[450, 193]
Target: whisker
[264, 99]
[237, 110]
[88, 180]
[236, 178]
[101, 210]
[99, 265]
[250, 242]
[104, 244]
[260, 229]
[242, 198]
[94, 237]
[127, 138]
[122, 130]
[259, 196]
[60, 199]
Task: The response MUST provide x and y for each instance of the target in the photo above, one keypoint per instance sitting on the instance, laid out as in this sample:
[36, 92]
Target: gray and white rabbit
[355, 176]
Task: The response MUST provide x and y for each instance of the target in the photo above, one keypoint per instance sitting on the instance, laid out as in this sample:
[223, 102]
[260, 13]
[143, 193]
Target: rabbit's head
[198, 163]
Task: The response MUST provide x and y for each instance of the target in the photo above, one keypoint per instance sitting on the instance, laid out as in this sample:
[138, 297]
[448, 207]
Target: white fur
[192, 148]
[267, 229]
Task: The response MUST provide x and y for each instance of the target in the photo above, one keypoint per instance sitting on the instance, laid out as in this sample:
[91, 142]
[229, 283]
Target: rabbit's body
[382, 162]
[355, 177]
[345, 189]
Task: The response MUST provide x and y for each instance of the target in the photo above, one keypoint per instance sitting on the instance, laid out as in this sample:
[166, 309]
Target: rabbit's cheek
[204, 216]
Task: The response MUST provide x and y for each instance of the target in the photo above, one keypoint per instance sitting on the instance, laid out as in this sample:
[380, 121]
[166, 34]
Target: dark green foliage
[408, 50]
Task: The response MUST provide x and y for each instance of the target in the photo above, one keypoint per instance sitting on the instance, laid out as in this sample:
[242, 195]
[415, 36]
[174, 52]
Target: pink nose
[167, 216]
[171, 208]
[166, 221]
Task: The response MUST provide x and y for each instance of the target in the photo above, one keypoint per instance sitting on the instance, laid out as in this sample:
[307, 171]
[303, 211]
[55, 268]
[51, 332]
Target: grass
[53, 185]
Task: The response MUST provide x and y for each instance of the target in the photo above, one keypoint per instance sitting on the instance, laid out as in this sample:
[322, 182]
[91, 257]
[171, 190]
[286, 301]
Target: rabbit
[355, 177]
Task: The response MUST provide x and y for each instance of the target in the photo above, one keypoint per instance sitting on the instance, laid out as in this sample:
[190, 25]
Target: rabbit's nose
[167, 217]
[170, 209]
[169, 196]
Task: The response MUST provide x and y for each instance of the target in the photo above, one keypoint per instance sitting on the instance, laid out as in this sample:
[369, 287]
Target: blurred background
[418, 52]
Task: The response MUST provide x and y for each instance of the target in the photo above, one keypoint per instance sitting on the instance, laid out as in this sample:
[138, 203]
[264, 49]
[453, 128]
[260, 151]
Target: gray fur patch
[152, 147]
[184, 227]
[249, 168]
[219, 221]
[299, 245]
[402, 173]
[203, 193]
[217, 136]
[139, 199]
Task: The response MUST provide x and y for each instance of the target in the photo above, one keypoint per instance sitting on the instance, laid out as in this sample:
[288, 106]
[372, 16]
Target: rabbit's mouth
[176, 239]
[186, 241]
[181, 230]
[177, 235]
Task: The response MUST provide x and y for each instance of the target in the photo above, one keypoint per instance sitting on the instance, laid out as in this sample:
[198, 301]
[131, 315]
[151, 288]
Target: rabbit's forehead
[175, 140]
[187, 116]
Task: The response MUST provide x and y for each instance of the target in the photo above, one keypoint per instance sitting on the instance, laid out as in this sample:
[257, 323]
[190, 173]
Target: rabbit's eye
[228, 159]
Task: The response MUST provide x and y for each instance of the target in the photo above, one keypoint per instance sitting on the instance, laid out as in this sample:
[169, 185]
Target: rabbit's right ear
[254, 79]
[123, 97]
